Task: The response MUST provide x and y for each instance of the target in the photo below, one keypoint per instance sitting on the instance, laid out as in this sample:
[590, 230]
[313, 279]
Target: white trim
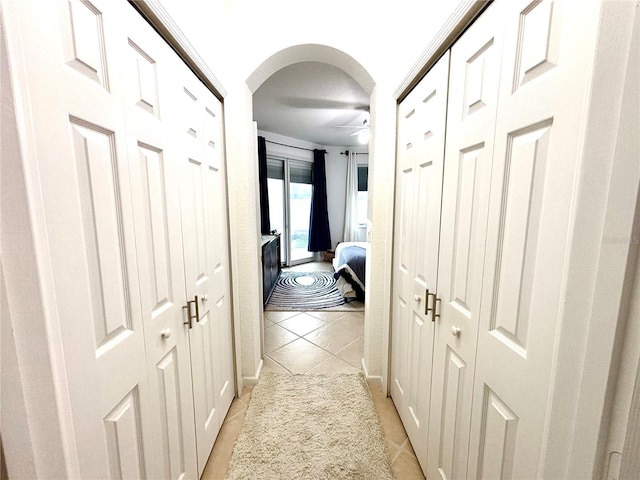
[160, 19]
[464, 14]
[251, 381]
[26, 260]
[235, 322]
[630, 458]
[372, 379]
[611, 134]
[311, 52]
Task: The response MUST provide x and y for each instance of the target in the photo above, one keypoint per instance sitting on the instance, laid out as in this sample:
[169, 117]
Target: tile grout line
[235, 414]
[399, 450]
[320, 347]
[332, 354]
[324, 361]
[277, 363]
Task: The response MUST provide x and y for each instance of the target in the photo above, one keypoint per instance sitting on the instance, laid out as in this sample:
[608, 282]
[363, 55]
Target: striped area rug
[304, 291]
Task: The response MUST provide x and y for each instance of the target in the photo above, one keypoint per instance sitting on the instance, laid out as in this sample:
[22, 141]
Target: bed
[349, 265]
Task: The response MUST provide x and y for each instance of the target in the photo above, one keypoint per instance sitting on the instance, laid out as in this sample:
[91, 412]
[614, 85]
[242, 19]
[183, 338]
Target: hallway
[312, 343]
[403, 461]
[503, 198]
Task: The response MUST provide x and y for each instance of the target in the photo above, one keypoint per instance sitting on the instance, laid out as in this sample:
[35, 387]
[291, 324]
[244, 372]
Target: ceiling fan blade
[318, 103]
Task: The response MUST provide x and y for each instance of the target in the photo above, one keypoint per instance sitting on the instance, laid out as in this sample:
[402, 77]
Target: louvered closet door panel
[204, 227]
[541, 90]
[76, 139]
[150, 67]
[473, 93]
[422, 122]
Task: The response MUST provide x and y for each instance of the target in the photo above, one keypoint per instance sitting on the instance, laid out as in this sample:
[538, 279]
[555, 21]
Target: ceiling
[309, 101]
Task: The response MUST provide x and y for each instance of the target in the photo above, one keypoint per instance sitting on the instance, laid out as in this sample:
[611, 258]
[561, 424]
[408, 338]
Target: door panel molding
[160, 19]
[417, 232]
[108, 212]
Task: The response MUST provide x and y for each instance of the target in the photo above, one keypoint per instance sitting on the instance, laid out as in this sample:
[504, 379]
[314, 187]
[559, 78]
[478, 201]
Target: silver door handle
[190, 317]
[434, 310]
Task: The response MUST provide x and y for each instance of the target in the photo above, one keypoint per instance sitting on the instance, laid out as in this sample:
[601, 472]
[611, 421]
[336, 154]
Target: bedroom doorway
[289, 187]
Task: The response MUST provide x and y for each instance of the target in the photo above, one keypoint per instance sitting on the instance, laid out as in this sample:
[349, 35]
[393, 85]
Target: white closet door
[206, 265]
[218, 227]
[149, 66]
[421, 153]
[218, 303]
[74, 135]
[473, 93]
[542, 87]
[403, 258]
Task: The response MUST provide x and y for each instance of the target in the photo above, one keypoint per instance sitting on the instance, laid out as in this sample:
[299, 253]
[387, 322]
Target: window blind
[299, 172]
[275, 168]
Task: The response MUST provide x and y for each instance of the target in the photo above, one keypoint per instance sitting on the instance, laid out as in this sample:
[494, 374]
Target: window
[363, 195]
[289, 187]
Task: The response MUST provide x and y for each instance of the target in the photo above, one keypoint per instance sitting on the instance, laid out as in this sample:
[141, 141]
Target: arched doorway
[309, 314]
[308, 85]
[382, 144]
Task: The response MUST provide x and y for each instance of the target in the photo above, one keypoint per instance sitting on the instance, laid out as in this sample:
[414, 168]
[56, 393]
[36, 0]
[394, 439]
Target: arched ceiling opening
[312, 92]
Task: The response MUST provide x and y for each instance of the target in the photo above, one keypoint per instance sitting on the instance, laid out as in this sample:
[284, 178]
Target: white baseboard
[251, 381]
[375, 380]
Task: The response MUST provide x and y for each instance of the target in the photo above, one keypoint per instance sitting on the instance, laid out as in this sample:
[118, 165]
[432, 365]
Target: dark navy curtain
[319, 235]
[265, 224]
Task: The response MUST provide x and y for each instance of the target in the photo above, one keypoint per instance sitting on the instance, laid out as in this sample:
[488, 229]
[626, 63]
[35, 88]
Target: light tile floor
[315, 342]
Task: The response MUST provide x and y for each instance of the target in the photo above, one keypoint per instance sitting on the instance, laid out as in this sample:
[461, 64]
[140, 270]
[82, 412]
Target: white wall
[380, 55]
[386, 38]
[202, 22]
[288, 152]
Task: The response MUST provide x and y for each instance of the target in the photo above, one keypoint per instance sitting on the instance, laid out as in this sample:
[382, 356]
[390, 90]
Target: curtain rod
[346, 152]
[293, 146]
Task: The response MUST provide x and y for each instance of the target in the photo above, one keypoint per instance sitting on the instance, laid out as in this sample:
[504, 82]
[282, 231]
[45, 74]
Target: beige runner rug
[310, 427]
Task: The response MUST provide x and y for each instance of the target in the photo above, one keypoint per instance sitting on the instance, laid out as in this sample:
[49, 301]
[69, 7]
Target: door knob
[455, 331]
[417, 298]
[205, 297]
[166, 333]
